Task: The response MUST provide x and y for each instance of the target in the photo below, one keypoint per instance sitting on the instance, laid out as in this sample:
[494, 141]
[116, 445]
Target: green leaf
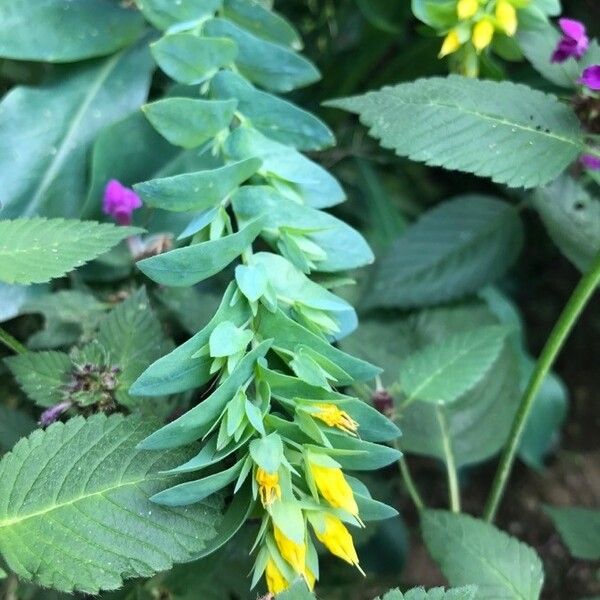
[450, 252]
[192, 264]
[164, 13]
[227, 339]
[383, 15]
[197, 191]
[133, 338]
[267, 452]
[572, 217]
[43, 376]
[47, 131]
[344, 247]
[443, 373]
[14, 424]
[75, 511]
[462, 593]
[262, 22]
[37, 250]
[298, 591]
[268, 65]
[99, 27]
[506, 131]
[13, 298]
[188, 122]
[579, 528]
[470, 551]
[178, 371]
[276, 118]
[293, 173]
[191, 59]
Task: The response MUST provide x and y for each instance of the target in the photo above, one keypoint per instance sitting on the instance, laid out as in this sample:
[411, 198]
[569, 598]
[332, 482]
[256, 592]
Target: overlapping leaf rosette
[275, 431]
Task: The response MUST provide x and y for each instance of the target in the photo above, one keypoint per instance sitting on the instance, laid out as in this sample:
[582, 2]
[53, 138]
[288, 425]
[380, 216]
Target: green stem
[10, 342]
[410, 483]
[580, 297]
[453, 486]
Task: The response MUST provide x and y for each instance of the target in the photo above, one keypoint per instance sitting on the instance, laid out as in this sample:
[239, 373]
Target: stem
[580, 297]
[410, 483]
[453, 487]
[10, 342]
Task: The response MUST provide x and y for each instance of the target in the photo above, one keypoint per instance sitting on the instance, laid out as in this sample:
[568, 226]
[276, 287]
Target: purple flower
[120, 202]
[590, 161]
[53, 413]
[573, 43]
[591, 78]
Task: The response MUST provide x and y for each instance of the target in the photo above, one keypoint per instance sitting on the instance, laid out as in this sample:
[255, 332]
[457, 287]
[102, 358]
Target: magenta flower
[589, 161]
[120, 202]
[53, 413]
[573, 43]
[591, 78]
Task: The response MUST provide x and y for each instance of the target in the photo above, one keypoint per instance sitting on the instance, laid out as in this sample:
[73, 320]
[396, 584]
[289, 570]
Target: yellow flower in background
[276, 582]
[506, 15]
[338, 540]
[292, 552]
[466, 9]
[332, 485]
[451, 44]
[268, 486]
[334, 417]
[483, 33]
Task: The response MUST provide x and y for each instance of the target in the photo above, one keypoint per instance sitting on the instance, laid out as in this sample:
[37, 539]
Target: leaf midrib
[133, 482]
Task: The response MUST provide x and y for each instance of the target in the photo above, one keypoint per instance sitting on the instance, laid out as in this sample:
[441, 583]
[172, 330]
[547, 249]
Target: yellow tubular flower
[276, 582]
[506, 16]
[334, 417]
[483, 34]
[337, 539]
[332, 485]
[466, 9]
[292, 552]
[451, 44]
[268, 486]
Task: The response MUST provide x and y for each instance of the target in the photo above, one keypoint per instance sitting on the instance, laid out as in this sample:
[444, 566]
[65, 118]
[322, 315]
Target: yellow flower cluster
[477, 23]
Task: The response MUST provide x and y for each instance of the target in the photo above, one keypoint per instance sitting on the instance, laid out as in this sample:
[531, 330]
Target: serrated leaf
[463, 593]
[508, 132]
[579, 528]
[191, 59]
[101, 27]
[470, 551]
[74, 508]
[192, 264]
[274, 117]
[187, 122]
[41, 375]
[47, 131]
[572, 217]
[298, 591]
[132, 336]
[441, 373]
[269, 65]
[37, 250]
[453, 250]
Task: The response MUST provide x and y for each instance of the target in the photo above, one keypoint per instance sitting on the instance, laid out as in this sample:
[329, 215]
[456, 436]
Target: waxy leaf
[71, 502]
[579, 528]
[188, 122]
[509, 132]
[165, 13]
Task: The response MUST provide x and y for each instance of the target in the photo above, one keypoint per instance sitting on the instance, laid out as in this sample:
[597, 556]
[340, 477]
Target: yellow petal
[451, 44]
[506, 15]
[268, 486]
[483, 34]
[292, 552]
[276, 582]
[338, 540]
[332, 485]
[467, 8]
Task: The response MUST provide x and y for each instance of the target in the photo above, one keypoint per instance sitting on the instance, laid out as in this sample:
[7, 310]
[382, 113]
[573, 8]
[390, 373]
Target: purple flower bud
[573, 43]
[52, 414]
[589, 161]
[591, 78]
[120, 202]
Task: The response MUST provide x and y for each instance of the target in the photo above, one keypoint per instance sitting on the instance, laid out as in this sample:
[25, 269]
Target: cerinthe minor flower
[483, 33]
[119, 202]
[268, 486]
[338, 540]
[451, 44]
[574, 42]
[506, 16]
[276, 582]
[332, 485]
[591, 78]
[292, 552]
[331, 415]
[465, 9]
